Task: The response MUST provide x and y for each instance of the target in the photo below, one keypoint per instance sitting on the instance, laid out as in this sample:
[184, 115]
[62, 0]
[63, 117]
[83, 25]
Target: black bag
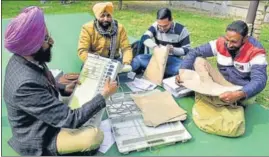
[138, 48]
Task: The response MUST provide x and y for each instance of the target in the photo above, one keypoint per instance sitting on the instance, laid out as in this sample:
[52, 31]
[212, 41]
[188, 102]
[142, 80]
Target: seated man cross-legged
[241, 61]
[166, 33]
[104, 36]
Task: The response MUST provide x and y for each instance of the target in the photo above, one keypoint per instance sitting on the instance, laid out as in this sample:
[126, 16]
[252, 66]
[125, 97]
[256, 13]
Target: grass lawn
[137, 17]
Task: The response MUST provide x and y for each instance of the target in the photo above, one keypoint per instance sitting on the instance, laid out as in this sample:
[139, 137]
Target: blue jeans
[140, 62]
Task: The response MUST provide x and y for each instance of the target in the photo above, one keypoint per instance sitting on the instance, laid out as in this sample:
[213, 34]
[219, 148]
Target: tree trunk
[120, 5]
[252, 10]
[170, 3]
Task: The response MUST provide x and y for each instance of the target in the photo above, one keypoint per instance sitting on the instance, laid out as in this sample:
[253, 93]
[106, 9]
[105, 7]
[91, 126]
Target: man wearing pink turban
[41, 124]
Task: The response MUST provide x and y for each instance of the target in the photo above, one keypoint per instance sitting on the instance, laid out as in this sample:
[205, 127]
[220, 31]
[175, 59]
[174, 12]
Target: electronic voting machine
[128, 128]
[92, 77]
[130, 132]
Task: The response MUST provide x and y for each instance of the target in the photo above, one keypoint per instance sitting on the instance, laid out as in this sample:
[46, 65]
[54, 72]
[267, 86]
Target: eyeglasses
[47, 38]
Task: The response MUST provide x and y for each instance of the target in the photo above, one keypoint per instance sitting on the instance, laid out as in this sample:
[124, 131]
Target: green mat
[65, 31]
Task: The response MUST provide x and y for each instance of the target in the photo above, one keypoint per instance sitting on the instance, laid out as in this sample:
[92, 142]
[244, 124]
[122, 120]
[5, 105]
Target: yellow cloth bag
[220, 120]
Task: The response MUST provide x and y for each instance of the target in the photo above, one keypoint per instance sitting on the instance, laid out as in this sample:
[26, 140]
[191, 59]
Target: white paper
[133, 88]
[56, 72]
[108, 137]
[171, 82]
[140, 85]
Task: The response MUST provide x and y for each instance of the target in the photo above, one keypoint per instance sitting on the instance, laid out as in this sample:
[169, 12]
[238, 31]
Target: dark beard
[233, 51]
[42, 55]
[104, 25]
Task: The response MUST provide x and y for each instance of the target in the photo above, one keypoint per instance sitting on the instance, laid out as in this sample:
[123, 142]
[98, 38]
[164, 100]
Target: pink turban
[25, 33]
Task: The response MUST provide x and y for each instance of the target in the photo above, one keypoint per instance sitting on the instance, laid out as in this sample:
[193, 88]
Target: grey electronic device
[130, 132]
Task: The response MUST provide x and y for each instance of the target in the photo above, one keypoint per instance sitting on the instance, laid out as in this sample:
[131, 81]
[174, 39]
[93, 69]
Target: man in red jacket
[241, 60]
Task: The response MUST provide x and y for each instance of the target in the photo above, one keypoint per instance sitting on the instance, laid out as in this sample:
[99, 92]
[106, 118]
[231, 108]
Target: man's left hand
[231, 97]
[69, 88]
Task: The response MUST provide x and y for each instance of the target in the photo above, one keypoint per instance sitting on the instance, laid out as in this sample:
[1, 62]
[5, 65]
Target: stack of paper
[176, 90]
[108, 137]
[139, 85]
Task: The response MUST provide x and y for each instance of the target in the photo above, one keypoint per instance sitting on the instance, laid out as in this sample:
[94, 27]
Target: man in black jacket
[41, 124]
